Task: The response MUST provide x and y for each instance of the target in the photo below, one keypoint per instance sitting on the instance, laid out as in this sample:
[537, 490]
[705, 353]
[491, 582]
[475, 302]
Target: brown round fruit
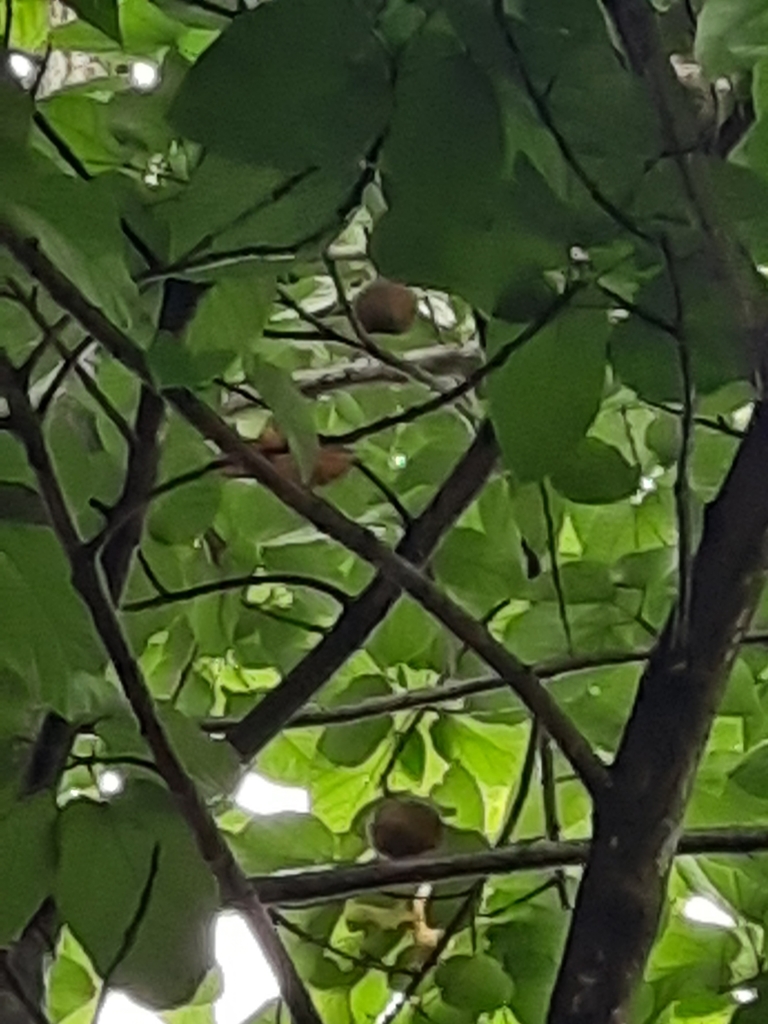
[385, 307]
[405, 827]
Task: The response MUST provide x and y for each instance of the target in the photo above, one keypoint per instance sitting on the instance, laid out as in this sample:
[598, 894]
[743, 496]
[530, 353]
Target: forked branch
[322, 515]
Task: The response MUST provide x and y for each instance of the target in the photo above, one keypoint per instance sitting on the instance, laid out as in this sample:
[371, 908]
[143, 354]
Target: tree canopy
[381, 409]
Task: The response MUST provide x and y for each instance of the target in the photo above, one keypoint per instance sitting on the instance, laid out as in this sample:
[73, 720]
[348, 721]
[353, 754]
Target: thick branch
[637, 825]
[234, 886]
[341, 881]
[638, 822]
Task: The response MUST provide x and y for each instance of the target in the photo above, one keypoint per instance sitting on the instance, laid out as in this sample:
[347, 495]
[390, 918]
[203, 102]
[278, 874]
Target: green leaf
[460, 797]
[491, 752]
[38, 600]
[730, 35]
[547, 393]
[70, 987]
[279, 841]
[412, 758]
[29, 25]
[406, 637]
[27, 858]
[102, 14]
[478, 571]
[647, 357]
[455, 220]
[17, 114]
[350, 745]
[173, 365]
[186, 513]
[323, 92]
[212, 763]
[477, 983]
[51, 206]
[105, 853]
[231, 315]
[751, 773]
[442, 96]
[596, 474]
[530, 948]
[664, 438]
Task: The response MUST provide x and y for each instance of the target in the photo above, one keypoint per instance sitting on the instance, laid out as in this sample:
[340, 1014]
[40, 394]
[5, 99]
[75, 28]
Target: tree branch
[234, 886]
[433, 696]
[289, 579]
[337, 881]
[439, 360]
[140, 478]
[360, 619]
[324, 516]
[637, 823]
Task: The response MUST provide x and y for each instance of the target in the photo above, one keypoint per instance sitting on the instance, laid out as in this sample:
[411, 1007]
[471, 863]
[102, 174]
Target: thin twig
[91, 388]
[288, 579]
[67, 364]
[429, 697]
[554, 559]
[366, 962]
[639, 311]
[138, 485]
[452, 361]
[205, 243]
[117, 517]
[405, 516]
[325, 331]
[551, 820]
[515, 812]
[8, 26]
[569, 155]
[96, 760]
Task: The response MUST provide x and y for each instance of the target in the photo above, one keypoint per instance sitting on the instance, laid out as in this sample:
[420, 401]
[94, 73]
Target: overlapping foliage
[503, 160]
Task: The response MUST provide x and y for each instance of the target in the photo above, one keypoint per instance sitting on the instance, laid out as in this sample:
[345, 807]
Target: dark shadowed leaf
[547, 393]
[105, 857]
[266, 94]
[596, 474]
